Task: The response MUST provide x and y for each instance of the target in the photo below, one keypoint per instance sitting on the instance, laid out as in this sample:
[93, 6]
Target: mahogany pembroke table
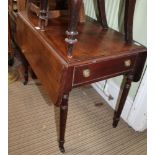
[65, 53]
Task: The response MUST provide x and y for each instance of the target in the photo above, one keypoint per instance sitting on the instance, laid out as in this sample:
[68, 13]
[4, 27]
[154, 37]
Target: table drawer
[98, 70]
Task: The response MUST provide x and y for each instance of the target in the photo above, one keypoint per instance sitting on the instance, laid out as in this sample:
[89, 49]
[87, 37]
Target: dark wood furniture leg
[25, 65]
[102, 13]
[63, 119]
[43, 15]
[74, 10]
[33, 75]
[128, 19]
[10, 49]
[26, 70]
[126, 87]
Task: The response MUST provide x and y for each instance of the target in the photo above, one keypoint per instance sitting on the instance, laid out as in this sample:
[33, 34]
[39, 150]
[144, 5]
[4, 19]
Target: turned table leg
[128, 19]
[126, 87]
[74, 10]
[43, 15]
[63, 119]
[102, 13]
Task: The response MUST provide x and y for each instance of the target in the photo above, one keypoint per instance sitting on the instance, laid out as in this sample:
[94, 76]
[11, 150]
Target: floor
[33, 125]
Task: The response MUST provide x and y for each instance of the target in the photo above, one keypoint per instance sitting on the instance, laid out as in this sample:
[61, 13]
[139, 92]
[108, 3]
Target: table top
[99, 54]
[94, 42]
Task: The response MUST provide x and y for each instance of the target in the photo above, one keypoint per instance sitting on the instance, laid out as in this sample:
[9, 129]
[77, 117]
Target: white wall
[134, 112]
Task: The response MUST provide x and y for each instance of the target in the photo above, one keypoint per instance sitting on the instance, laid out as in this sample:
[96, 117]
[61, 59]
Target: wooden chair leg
[74, 9]
[126, 87]
[43, 17]
[63, 119]
[102, 13]
[128, 19]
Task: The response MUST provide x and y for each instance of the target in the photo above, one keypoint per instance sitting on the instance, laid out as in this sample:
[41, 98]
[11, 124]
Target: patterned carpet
[33, 122]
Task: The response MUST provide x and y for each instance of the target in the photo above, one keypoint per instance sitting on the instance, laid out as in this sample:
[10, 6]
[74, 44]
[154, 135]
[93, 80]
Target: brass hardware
[86, 73]
[23, 50]
[127, 63]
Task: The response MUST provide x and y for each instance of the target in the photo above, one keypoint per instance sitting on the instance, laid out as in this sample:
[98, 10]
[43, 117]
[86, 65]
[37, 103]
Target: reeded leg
[126, 87]
[128, 19]
[63, 119]
[43, 16]
[102, 13]
[74, 7]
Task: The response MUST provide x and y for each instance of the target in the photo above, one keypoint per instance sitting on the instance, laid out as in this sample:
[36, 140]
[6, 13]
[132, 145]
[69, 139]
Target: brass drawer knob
[23, 50]
[86, 73]
[127, 63]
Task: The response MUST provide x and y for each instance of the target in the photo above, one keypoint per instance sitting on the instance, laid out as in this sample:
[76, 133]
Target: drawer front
[96, 71]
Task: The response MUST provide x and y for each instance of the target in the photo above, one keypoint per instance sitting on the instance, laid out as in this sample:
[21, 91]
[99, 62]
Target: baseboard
[113, 90]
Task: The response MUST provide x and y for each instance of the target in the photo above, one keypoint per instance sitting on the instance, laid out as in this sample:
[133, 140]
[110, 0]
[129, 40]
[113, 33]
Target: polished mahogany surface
[93, 40]
[100, 51]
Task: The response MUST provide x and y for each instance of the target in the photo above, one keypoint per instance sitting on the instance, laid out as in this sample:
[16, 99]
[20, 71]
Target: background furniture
[13, 8]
